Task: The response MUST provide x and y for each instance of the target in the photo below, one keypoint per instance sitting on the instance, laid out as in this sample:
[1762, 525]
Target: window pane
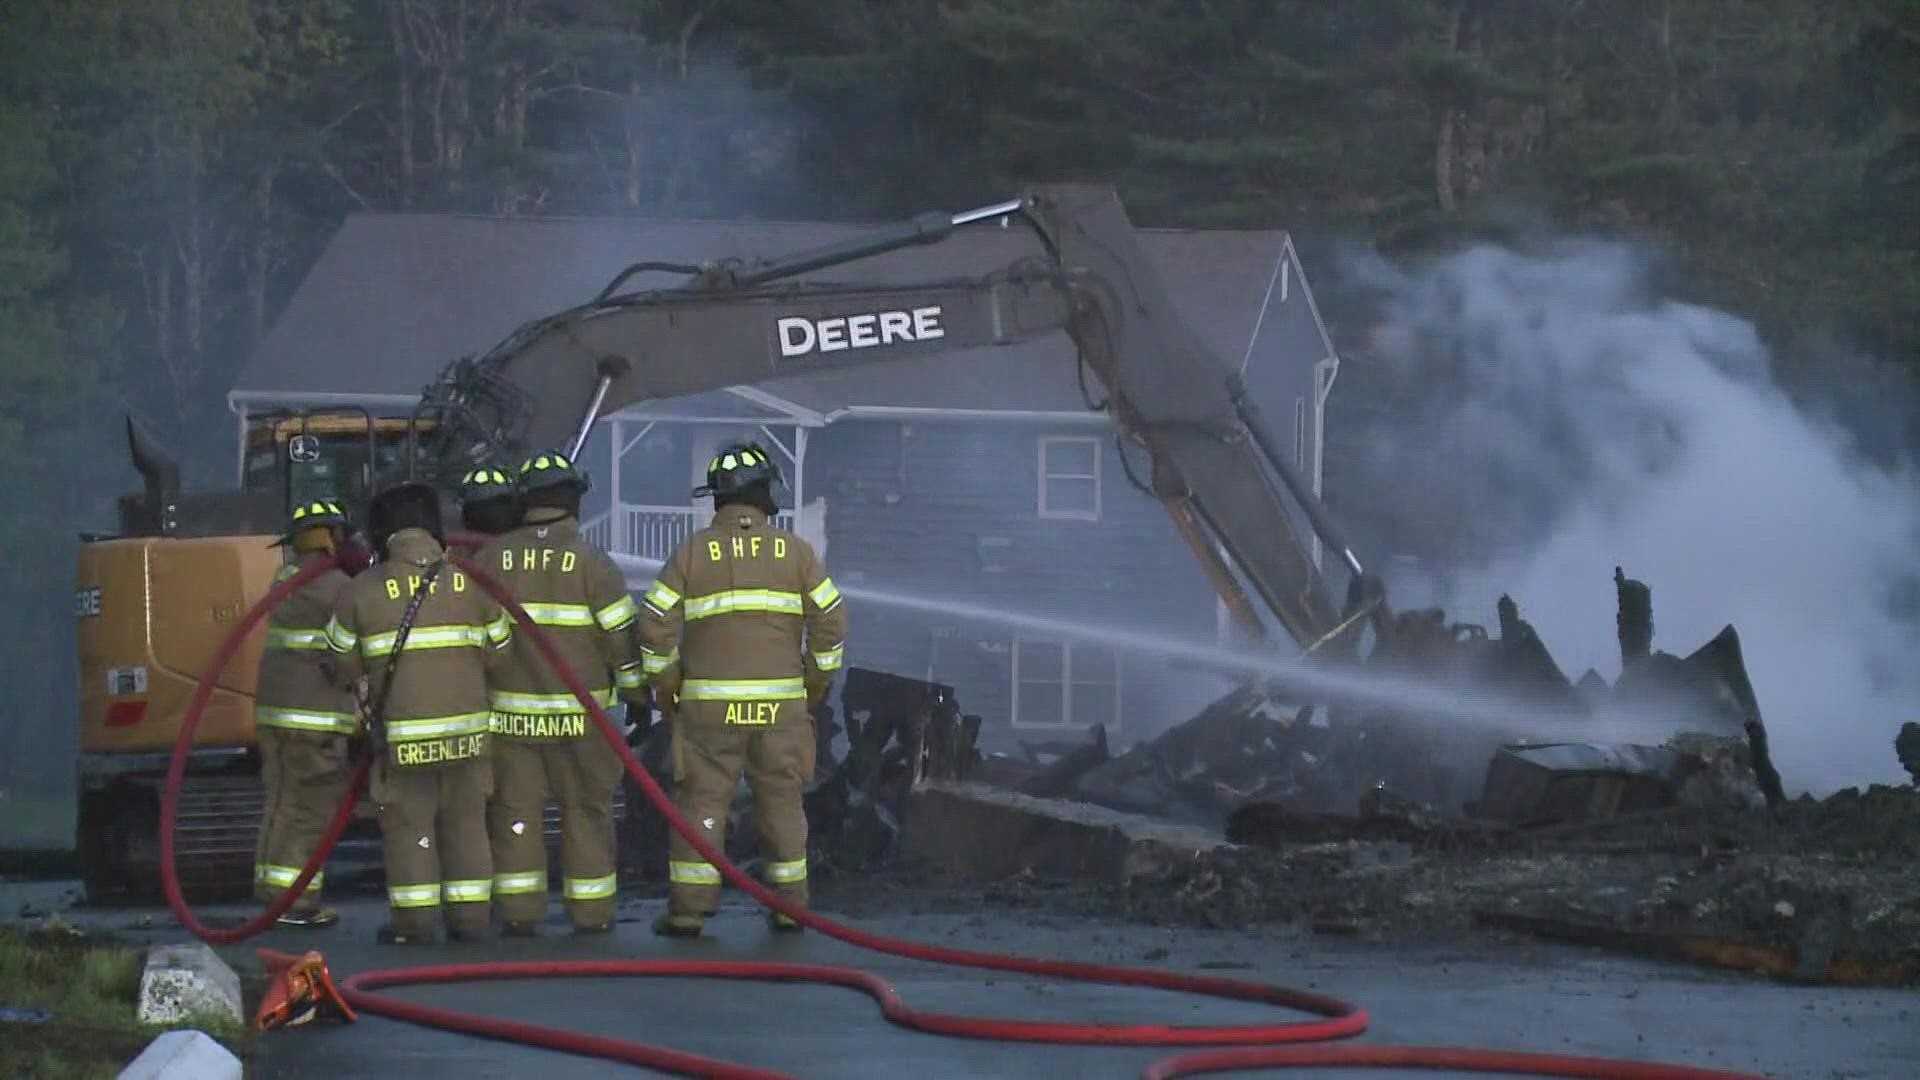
[1072, 496]
[1038, 703]
[1095, 704]
[1071, 457]
[1041, 661]
[1093, 664]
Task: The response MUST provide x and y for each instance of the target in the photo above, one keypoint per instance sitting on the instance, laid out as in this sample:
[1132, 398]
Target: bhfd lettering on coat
[746, 547]
[540, 558]
[395, 590]
[800, 336]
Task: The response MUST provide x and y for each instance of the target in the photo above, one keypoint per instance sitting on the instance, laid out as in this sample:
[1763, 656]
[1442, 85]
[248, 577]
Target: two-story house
[975, 483]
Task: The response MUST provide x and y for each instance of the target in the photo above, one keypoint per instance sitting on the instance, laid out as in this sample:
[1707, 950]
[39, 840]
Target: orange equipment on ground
[299, 992]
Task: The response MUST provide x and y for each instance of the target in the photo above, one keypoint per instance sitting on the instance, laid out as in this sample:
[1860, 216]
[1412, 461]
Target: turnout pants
[305, 774]
[708, 757]
[433, 824]
[581, 774]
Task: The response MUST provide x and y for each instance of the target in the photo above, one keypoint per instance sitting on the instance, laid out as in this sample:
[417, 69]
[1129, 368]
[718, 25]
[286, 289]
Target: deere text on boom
[799, 336]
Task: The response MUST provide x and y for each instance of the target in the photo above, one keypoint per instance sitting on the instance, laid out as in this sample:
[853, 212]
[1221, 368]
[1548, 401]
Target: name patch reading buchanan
[436, 751]
[539, 727]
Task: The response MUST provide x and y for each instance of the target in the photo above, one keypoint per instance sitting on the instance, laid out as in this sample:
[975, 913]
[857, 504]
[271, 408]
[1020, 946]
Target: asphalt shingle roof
[394, 297]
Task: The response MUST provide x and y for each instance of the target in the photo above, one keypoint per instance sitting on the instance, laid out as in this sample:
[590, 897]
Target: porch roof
[393, 297]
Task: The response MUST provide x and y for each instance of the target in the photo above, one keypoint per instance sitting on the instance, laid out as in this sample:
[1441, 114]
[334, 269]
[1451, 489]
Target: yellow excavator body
[153, 612]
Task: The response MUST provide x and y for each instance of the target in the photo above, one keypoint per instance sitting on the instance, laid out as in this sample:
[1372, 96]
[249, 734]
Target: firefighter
[302, 717]
[740, 637]
[489, 501]
[428, 717]
[545, 744]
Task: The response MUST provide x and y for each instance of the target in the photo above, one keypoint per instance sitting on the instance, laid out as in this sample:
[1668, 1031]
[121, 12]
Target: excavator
[153, 601]
[1216, 466]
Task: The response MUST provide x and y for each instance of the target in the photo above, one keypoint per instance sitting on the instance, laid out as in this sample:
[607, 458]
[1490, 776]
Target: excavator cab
[297, 457]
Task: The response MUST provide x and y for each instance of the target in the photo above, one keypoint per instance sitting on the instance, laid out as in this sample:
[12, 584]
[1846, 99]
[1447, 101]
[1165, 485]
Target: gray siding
[951, 510]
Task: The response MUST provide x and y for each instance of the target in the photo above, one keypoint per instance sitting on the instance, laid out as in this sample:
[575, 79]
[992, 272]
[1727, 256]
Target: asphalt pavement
[1471, 992]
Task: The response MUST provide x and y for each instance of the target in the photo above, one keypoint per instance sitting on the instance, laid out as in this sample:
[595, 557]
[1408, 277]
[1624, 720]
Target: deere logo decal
[800, 336]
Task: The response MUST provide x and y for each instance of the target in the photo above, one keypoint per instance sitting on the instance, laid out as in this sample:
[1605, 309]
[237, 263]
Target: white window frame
[1047, 441]
[1065, 723]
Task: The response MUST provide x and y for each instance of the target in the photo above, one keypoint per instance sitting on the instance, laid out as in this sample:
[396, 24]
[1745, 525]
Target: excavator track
[218, 826]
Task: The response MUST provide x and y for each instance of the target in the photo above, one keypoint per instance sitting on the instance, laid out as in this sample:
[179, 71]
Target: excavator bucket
[299, 991]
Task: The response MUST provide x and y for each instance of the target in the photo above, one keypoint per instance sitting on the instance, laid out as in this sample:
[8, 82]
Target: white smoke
[1584, 423]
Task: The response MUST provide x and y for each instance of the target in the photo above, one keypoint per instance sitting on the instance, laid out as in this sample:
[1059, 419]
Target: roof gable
[394, 297]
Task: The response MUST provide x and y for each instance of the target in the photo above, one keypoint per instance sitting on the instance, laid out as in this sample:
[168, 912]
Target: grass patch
[90, 986]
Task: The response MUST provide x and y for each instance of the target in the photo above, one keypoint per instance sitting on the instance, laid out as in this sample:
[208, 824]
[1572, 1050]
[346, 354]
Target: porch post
[799, 475]
[616, 518]
[241, 412]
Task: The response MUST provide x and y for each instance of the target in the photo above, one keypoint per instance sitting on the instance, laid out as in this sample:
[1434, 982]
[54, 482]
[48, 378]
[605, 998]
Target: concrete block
[183, 1055]
[980, 833]
[186, 981]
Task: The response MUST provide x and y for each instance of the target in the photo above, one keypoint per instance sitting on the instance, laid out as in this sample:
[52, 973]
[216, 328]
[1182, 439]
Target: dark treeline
[169, 168]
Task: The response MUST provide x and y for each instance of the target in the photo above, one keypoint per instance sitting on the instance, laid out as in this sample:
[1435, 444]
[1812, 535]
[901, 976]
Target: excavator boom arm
[733, 325]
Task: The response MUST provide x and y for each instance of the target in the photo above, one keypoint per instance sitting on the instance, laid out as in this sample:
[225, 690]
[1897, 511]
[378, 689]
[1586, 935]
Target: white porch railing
[652, 532]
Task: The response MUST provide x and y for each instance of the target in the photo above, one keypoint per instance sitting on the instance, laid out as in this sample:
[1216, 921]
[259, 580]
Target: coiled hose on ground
[1248, 1046]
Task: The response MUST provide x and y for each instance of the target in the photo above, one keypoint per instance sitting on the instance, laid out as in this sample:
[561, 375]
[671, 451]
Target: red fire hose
[1254, 1044]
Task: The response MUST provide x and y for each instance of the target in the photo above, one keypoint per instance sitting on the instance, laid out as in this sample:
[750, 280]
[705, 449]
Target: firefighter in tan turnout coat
[544, 742]
[302, 716]
[432, 776]
[740, 636]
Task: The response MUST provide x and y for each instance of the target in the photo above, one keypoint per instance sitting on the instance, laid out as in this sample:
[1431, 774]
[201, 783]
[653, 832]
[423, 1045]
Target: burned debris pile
[1362, 818]
[1254, 746]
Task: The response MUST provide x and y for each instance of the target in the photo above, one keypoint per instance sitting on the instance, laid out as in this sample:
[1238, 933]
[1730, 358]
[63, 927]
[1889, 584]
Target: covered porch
[647, 459]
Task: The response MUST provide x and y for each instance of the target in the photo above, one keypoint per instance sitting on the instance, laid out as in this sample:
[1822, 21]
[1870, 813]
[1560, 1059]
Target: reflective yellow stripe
[303, 719]
[284, 573]
[433, 727]
[283, 877]
[722, 603]
[500, 630]
[786, 873]
[467, 892]
[426, 637]
[654, 663]
[533, 881]
[629, 677]
[617, 614]
[825, 595]
[831, 659]
[559, 614]
[286, 637]
[414, 896]
[339, 637]
[593, 888]
[693, 873]
[743, 690]
[510, 701]
[662, 598]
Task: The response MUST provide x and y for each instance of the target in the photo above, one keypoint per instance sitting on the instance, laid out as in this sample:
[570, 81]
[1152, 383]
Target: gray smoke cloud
[1581, 421]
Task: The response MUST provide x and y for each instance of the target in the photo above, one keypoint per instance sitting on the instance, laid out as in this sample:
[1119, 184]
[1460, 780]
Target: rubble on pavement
[1361, 821]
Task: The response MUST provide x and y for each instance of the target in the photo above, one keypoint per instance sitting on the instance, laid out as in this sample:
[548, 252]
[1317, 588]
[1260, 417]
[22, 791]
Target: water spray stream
[1419, 699]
